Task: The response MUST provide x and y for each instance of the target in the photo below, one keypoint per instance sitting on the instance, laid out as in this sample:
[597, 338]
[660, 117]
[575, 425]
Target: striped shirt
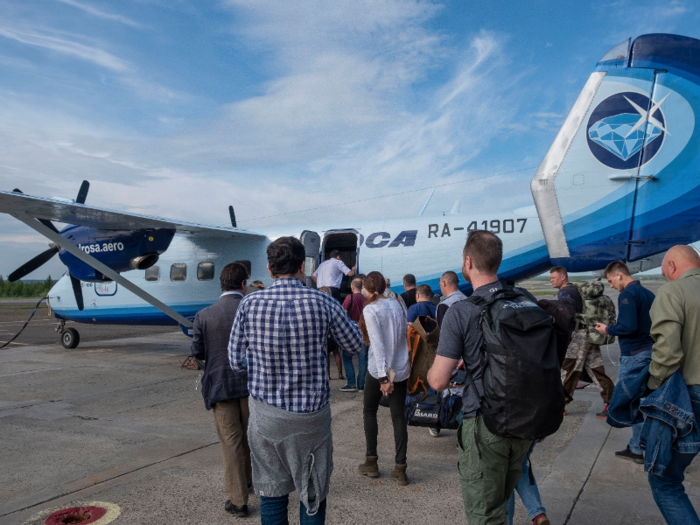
[281, 332]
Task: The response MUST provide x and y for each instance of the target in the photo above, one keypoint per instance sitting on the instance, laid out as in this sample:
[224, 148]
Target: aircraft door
[312, 247]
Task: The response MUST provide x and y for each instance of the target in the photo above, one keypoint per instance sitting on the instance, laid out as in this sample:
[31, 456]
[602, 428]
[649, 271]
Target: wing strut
[100, 267]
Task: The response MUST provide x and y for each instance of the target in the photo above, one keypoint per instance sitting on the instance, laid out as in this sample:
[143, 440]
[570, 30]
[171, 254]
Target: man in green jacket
[675, 328]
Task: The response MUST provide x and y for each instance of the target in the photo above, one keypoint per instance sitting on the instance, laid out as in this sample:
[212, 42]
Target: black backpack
[523, 394]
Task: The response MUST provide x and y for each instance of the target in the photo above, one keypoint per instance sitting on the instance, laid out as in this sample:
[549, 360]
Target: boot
[399, 474]
[369, 468]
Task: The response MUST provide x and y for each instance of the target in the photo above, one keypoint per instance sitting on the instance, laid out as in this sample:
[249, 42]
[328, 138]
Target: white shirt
[330, 273]
[388, 347]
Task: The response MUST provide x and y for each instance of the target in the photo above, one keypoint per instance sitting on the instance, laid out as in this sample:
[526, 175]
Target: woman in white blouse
[384, 327]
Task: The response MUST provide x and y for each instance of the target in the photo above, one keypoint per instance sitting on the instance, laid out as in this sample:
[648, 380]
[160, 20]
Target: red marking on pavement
[82, 515]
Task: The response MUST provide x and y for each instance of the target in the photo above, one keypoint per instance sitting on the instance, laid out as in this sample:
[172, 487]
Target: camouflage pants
[582, 354]
[586, 354]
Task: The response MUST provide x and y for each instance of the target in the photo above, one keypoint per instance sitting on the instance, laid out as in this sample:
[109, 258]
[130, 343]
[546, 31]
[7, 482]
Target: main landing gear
[70, 338]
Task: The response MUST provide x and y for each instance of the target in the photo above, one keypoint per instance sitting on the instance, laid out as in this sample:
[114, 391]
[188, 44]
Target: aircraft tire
[70, 338]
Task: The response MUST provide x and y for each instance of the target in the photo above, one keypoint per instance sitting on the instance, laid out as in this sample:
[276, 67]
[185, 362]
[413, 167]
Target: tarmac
[117, 422]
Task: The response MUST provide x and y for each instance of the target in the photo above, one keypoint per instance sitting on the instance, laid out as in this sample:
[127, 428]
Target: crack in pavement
[583, 487]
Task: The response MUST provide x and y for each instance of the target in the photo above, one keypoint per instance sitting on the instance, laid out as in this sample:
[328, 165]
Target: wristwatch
[383, 380]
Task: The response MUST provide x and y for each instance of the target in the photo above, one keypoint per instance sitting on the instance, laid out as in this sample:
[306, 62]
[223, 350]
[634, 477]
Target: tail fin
[622, 179]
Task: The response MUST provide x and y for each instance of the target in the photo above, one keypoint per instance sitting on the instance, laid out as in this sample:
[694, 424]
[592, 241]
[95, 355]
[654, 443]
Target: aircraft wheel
[70, 338]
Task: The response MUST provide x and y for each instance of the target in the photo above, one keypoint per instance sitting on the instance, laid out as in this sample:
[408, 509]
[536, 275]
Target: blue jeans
[361, 367]
[529, 494]
[668, 490]
[627, 362]
[273, 511]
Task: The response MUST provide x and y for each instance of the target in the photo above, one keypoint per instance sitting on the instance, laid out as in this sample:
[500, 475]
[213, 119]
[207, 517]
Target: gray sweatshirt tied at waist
[291, 451]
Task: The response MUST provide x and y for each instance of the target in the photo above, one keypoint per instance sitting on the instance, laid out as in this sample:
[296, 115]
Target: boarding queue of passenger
[266, 376]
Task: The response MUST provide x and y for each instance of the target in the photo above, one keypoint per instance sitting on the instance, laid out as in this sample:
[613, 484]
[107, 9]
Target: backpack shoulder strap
[477, 300]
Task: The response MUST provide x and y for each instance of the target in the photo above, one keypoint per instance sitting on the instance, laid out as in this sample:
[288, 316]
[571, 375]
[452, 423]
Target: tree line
[21, 289]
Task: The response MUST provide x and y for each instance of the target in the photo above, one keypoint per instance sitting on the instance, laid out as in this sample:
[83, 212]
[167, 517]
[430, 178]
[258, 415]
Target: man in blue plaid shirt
[280, 337]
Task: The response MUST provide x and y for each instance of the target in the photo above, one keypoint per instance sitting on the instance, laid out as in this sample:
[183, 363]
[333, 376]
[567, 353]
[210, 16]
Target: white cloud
[331, 125]
[51, 41]
[101, 14]
[151, 90]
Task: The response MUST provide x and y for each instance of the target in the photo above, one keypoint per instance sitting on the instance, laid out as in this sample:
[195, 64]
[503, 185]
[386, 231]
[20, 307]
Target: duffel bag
[433, 410]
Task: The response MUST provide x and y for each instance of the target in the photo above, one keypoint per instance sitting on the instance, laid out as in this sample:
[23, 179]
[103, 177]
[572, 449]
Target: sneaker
[581, 385]
[434, 432]
[604, 413]
[348, 388]
[540, 519]
[628, 454]
[341, 376]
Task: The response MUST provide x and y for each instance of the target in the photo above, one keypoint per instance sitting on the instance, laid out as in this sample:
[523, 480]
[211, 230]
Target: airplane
[621, 181]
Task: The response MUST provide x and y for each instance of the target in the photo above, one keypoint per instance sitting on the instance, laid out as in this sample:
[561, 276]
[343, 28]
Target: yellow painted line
[13, 343]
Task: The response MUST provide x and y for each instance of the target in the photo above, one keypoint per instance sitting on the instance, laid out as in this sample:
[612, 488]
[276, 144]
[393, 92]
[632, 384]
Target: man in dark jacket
[633, 331]
[225, 391]
[409, 284]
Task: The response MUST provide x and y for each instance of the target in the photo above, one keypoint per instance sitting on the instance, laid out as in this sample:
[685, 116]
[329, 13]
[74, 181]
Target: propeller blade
[82, 193]
[32, 265]
[77, 291]
[48, 224]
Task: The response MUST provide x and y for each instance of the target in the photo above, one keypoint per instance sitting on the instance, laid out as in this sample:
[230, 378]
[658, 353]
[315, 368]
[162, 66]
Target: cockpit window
[152, 273]
[205, 271]
[178, 272]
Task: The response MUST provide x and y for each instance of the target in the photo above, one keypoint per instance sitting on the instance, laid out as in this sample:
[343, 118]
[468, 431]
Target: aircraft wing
[91, 216]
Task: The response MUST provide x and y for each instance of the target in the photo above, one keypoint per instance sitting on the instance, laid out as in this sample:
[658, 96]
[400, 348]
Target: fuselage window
[178, 272]
[247, 265]
[153, 273]
[205, 271]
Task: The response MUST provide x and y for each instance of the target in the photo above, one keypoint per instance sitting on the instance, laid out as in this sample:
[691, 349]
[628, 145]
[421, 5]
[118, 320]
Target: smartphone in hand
[458, 377]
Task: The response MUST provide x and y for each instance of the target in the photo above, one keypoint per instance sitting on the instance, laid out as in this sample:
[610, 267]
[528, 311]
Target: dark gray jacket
[211, 334]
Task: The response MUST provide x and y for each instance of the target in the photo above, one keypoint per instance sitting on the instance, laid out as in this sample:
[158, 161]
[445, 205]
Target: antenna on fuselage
[233, 216]
[426, 203]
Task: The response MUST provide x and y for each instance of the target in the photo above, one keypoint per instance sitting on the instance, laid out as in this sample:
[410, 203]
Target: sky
[293, 112]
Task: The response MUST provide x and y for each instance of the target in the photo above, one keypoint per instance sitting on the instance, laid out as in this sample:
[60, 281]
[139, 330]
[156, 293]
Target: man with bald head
[675, 328]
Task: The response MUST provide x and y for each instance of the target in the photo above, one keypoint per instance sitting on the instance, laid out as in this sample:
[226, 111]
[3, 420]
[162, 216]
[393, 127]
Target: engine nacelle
[120, 250]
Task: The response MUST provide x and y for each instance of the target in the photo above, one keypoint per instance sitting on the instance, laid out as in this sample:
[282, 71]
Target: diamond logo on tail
[626, 130]
[618, 135]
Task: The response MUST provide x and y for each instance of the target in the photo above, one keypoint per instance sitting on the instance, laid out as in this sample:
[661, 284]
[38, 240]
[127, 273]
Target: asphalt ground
[41, 330]
[117, 420]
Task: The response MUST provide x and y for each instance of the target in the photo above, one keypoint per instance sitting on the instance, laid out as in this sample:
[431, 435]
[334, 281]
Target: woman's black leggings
[397, 405]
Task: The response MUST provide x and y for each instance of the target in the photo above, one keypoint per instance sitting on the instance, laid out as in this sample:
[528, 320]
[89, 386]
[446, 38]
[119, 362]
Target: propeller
[44, 257]
[77, 291]
[32, 265]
